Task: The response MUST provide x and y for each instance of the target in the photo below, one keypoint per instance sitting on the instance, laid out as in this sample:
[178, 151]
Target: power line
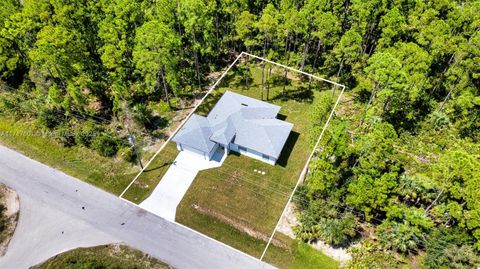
[419, 241]
[227, 173]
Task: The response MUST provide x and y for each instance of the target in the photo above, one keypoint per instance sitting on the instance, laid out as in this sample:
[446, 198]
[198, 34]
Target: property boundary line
[181, 125]
[194, 231]
[304, 170]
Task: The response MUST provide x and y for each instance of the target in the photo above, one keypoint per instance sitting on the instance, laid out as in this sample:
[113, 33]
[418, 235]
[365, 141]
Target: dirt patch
[288, 221]
[239, 226]
[10, 204]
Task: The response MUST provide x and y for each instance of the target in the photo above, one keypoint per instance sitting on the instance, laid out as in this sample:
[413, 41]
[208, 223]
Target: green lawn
[240, 207]
[297, 255]
[110, 174]
[224, 203]
[107, 257]
[236, 193]
[286, 253]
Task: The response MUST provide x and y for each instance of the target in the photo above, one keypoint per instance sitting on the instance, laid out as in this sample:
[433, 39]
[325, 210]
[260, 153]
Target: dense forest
[400, 165]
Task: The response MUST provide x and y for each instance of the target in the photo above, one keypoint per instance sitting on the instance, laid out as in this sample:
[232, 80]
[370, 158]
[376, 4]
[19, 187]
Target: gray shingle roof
[231, 102]
[250, 122]
[267, 136]
[223, 133]
[196, 133]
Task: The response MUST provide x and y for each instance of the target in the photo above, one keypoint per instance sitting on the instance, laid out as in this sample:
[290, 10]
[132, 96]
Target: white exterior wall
[202, 154]
[210, 155]
[252, 154]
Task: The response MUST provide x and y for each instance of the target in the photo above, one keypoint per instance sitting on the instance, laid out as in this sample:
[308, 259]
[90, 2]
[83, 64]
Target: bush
[105, 144]
[86, 133]
[142, 115]
[7, 104]
[450, 248]
[65, 136]
[51, 118]
[301, 198]
[128, 154]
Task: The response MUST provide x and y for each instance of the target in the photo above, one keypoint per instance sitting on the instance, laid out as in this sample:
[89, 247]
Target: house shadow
[288, 148]
[281, 117]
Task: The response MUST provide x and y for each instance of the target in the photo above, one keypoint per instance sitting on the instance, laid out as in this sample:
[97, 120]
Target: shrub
[65, 136]
[128, 154]
[86, 133]
[7, 104]
[450, 248]
[142, 115]
[370, 255]
[105, 144]
[51, 118]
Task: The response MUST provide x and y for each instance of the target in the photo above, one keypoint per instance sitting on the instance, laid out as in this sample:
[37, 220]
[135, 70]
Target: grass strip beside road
[293, 254]
[108, 256]
[110, 174]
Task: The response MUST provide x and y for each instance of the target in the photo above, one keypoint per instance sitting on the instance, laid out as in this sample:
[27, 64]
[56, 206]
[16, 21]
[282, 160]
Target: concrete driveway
[169, 192]
[58, 212]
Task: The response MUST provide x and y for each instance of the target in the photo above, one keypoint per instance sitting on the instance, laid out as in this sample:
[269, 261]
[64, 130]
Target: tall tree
[199, 24]
[117, 32]
[155, 57]
[267, 32]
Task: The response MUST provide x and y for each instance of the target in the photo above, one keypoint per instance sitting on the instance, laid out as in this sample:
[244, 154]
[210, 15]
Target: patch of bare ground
[290, 220]
[239, 226]
[9, 208]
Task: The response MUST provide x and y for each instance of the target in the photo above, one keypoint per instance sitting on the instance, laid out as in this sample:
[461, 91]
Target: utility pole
[131, 140]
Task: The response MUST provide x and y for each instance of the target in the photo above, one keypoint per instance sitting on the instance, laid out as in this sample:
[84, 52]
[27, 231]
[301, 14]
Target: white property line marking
[311, 154]
[194, 231]
[201, 101]
[181, 125]
[296, 70]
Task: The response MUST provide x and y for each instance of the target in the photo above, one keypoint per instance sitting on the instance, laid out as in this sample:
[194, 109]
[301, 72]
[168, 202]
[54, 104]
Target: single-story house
[239, 123]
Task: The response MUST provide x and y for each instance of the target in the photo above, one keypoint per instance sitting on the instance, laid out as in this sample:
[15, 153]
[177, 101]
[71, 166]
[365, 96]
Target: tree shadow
[158, 167]
[208, 104]
[158, 122]
[301, 94]
[288, 148]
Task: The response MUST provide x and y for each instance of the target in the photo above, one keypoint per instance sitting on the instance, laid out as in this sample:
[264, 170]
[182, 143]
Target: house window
[265, 157]
[240, 148]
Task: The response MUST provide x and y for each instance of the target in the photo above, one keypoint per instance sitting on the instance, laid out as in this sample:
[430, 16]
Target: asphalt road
[52, 202]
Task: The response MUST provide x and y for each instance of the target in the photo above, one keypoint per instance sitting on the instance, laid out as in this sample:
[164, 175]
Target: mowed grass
[151, 176]
[286, 253]
[108, 257]
[110, 174]
[297, 255]
[235, 191]
[240, 207]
